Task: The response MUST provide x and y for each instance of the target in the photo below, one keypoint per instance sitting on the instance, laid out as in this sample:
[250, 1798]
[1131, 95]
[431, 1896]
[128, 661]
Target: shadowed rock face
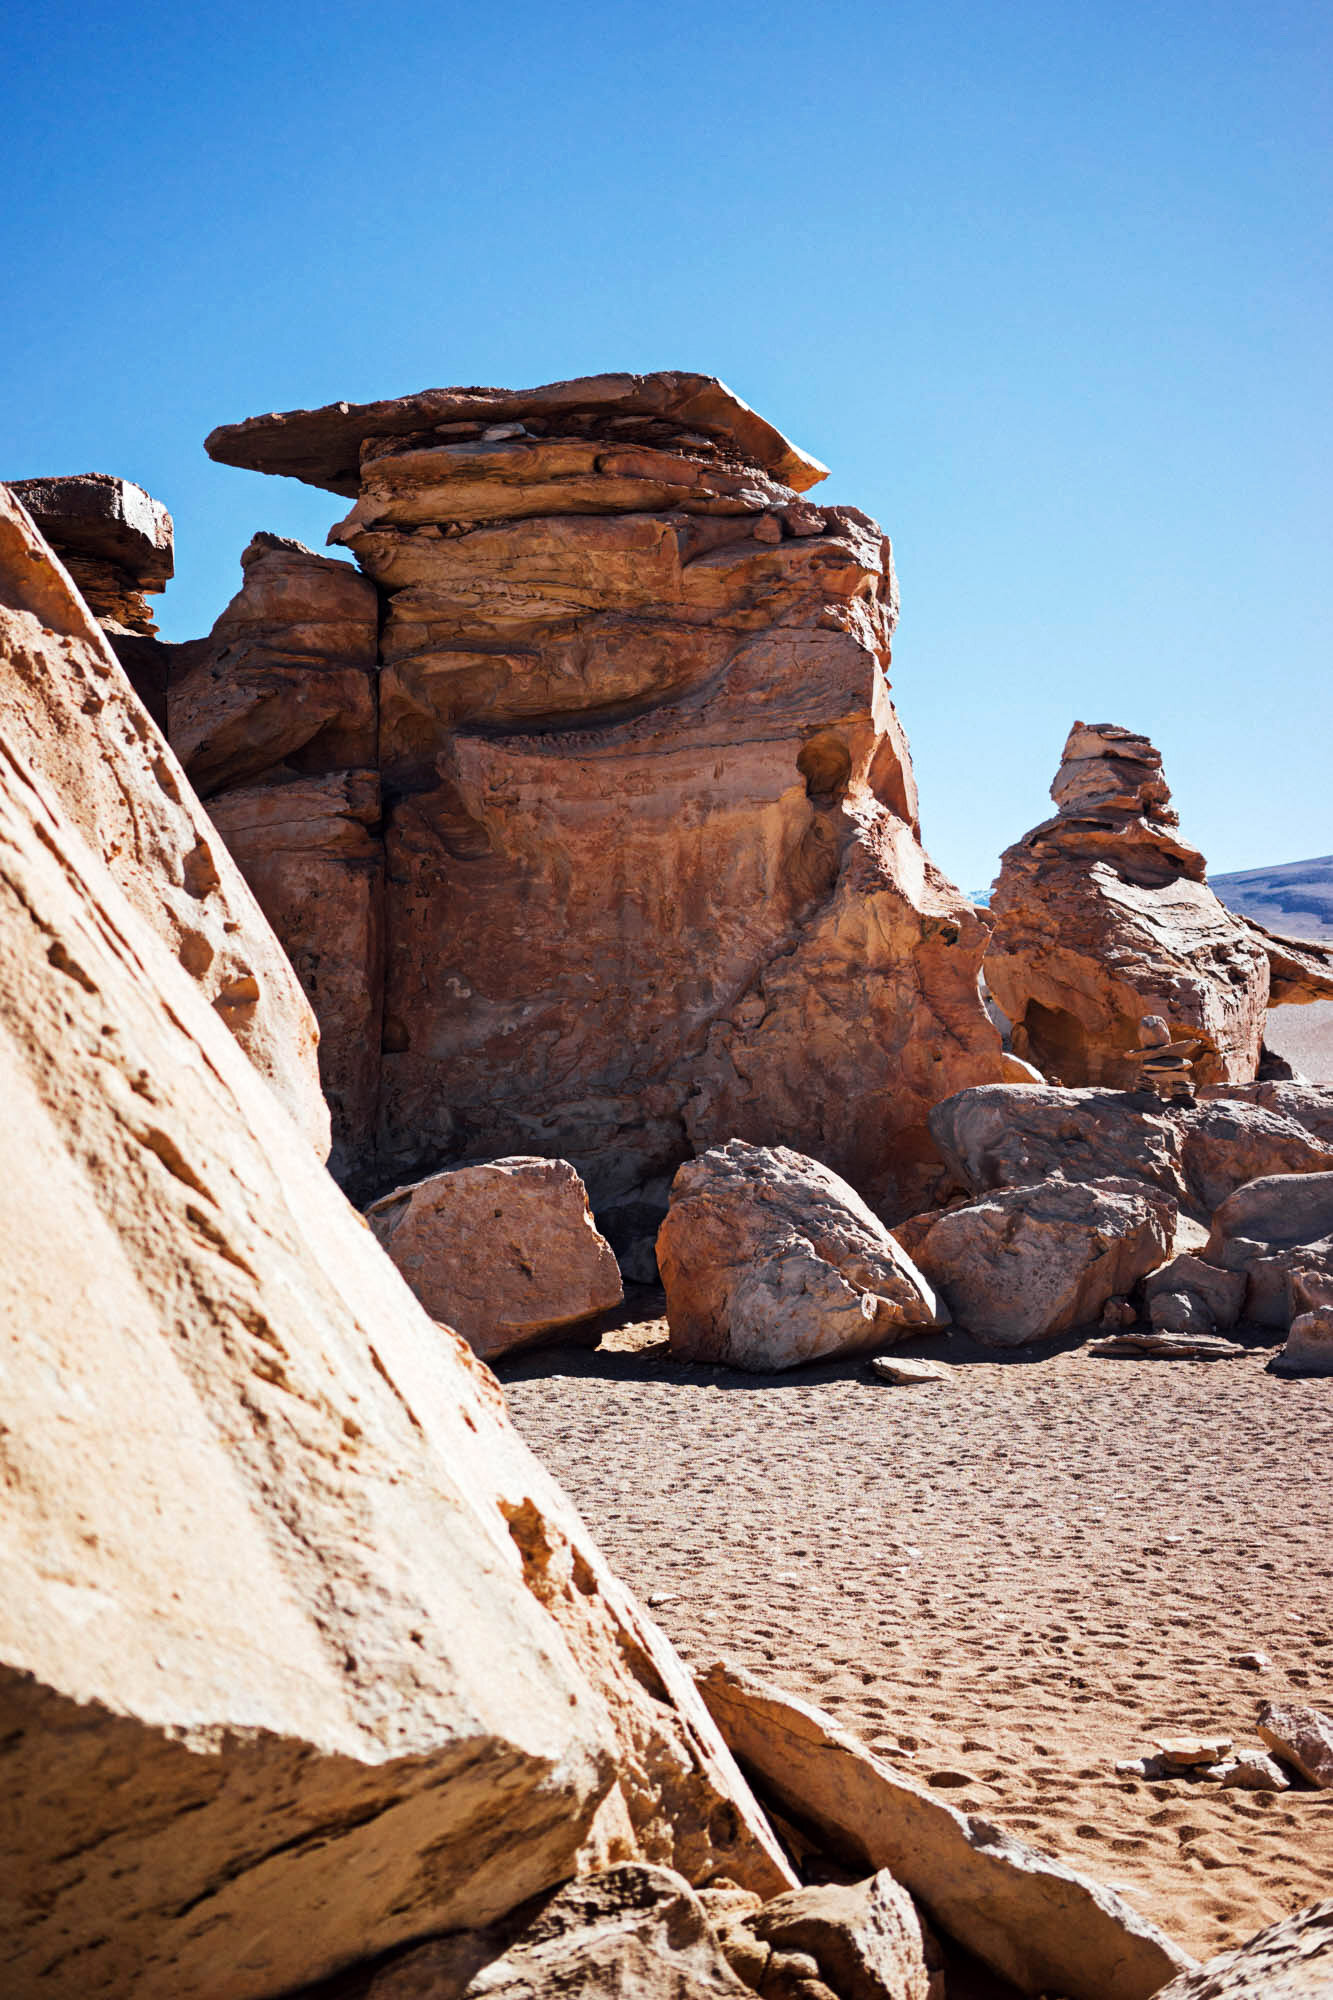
[114, 539]
[652, 871]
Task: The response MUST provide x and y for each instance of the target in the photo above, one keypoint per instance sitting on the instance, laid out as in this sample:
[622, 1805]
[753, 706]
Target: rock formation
[1103, 915]
[1290, 1960]
[769, 1260]
[653, 878]
[507, 1252]
[1274, 1231]
[113, 538]
[302, 1655]
[69, 713]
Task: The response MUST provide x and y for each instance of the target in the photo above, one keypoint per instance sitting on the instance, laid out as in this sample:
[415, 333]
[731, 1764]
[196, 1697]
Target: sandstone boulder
[1225, 1143]
[113, 538]
[1027, 1263]
[507, 1252]
[1291, 1960]
[1307, 1104]
[627, 1933]
[1002, 1135]
[866, 1941]
[1103, 915]
[69, 712]
[1309, 1344]
[769, 1260]
[653, 872]
[1187, 1295]
[302, 1653]
[1031, 1918]
[1302, 1737]
[1276, 1232]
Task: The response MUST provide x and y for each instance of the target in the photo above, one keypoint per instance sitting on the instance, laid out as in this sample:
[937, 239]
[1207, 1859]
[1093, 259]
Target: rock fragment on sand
[769, 1260]
[1302, 1737]
[1309, 1345]
[1291, 1960]
[1185, 1753]
[1249, 1771]
[507, 1253]
[1032, 1919]
[907, 1371]
[1142, 1344]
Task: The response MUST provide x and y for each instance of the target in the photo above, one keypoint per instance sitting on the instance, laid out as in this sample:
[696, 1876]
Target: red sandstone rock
[653, 873]
[506, 1252]
[1274, 1231]
[113, 538]
[1030, 1262]
[770, 1260]
[287, 675]
[1102, 915]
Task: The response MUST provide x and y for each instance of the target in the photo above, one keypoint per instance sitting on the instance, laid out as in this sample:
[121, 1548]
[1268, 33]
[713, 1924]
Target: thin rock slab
[769, 1259]
[907, 1371]
[506, 1252]
[867, 1941]
[626, 1933]
[1032, 1919]
[1291, 1960]
[1028, 1263]
[1302, 1737]
[1142, 1344]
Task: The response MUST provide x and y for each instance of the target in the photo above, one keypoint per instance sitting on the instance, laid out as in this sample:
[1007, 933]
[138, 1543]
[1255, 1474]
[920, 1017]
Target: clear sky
[1046, 285]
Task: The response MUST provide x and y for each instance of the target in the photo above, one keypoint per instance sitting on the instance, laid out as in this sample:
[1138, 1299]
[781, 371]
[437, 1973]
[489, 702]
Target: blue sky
[1047, 286]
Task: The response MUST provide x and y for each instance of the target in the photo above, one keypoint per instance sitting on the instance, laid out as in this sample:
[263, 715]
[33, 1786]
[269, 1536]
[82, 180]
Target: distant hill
[1296, 897]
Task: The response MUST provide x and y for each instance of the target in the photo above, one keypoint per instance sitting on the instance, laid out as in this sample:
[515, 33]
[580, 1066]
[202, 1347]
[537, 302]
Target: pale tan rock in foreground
[1027, 1263]
[506, 1252]
[301, 1651]
[70, 714]
[1291, 1960]
[1303, 1736]
[769, 1260]
[1034, 1920]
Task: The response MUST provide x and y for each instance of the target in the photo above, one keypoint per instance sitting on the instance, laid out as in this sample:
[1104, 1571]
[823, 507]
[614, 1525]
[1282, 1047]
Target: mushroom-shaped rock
[1026, 1263]
[769, 1260]
[506, 1253]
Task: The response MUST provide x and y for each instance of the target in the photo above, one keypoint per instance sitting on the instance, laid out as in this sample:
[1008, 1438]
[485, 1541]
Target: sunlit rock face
[653, 877]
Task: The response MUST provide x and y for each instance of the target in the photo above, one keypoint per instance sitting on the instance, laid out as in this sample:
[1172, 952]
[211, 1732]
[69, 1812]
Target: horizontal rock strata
[115, 540]
[652, 871]
[1103, 915]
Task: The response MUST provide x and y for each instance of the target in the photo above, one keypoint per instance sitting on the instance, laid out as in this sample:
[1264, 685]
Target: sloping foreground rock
[507, 1252]
[68, 712]
[302, 1653]
[1291, 1960]
[653, 876]
[628, 1933]
[1103, 915]
[769, 1259]
[1027, 1263]
[1031, 1918]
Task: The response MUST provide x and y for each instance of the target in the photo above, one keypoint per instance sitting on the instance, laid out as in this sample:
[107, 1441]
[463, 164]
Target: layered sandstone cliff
[652, 871]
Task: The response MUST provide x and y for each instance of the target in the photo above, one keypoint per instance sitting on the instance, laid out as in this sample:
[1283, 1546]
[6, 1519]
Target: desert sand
[1003, 1584]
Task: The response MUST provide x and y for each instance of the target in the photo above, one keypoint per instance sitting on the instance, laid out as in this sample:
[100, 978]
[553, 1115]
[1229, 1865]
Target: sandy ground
[1304, 1035]
[1003, 1584]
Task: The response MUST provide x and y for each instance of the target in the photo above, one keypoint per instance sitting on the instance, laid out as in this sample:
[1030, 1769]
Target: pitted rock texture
[507, 1252]
[75, 719]
[1291, 1960]
[653, 877]
[769, 1260]
[303, 1654]
[1026, 1263]
[115, 540]
[1277, 1233]
[1103, 915]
